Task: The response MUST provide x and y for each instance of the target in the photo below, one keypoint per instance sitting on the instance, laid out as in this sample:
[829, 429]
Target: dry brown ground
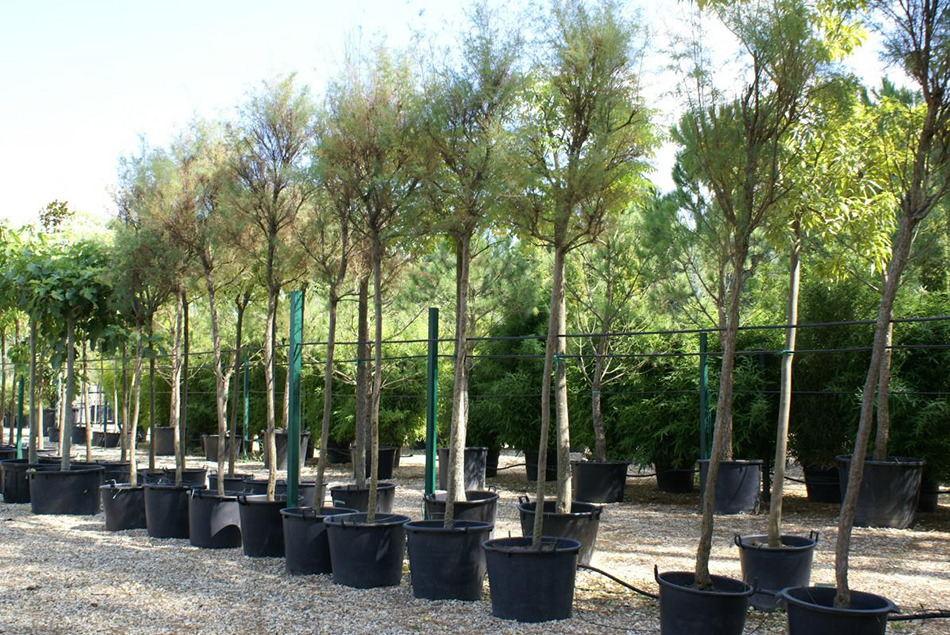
[61, 574]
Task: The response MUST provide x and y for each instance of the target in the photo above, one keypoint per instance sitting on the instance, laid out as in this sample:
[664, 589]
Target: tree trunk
[883, 401]
[549, 351]
[3, 381]
[183, 418]
[174, 410]
[900, 252]
[133, 421]
[459, 423]
[124, 427]
[785, 398]
[13, 413]
[597, 417]
[151, 395]
[33, 457]
[362, 391]
[232, 455]
[563, 504]
[220, 398]
[269, 387]
[327, 393]
[722, 435]
[67, 427]
[377, 377]
[85, 403]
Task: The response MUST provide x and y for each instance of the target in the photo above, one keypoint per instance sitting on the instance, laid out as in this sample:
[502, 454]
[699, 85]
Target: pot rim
[889, 606]
[892, 461]
[206, 493]
[515, 546]
[261, 499]
[169, 486]
[125, 487]
[80, 469]
[355, 488]
[593, 462]
[744, 542]
[734, 462]
[748, 591]
[595, 512]
[491, 496]
[436, 526]
[383, 521]
[301, 513]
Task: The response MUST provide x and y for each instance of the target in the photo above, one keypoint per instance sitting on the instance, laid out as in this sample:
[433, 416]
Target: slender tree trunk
[33, 457]
[883, 401]
[269, 387]
[597, 417]
[564, 485]
[124, 424]
[151, 394]
[232, 455]
[116, 410]
[900, 252]
[377, 377]
[85, 401]
[220, 398]
[286, 412]
[459, 424]
[174, 410]
[3, 381]
[362, 380]
[133, 421]
[327, 395]
[721, 436]
[785, 399]
[67, 427]
[183, 418]
[14, 423]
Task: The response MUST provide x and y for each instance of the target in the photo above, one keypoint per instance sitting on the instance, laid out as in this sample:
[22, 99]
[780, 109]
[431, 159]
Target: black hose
[646, 594]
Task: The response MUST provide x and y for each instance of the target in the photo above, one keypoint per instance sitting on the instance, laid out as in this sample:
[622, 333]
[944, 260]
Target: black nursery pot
[823, 485]
[889, 491]
[387, 461]
[79, 435]
[74, 491]
[164, 440]
[16, 485]
[531, 585]
[338, 452]
[236, 483]
[737, 486]
[262, 530]
[531, 467]
[491, 462]
[280, 446]
[214, 521]
[117, 471]
[599, 482]
[580, 524]
[811, 611]
[674, 480]
[124, 506]
[367, 555]
[685, 610]
[772, 569]
[478, 505]
[210, 442]
[447, 564]
[929, 495]
[166, 510]
[354, 497]
[110, 439]
[195, 476]
[7, 452]
[475, 463]
[306, 548]
[154, 476]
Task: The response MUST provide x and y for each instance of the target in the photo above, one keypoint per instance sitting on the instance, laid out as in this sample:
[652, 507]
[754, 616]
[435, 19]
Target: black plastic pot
[822, 484]
[474, 468]
[338, 453]
[124, 506]
[889, 491]
[306, 548]
[210, 442]
[929, 495]
[491, 462]
[530, 585]
[164, 440]
[153, 476]
[262, 531]
[214, 522]
[674, 480]
[52, 434]
[367, 555]
[737, 487]
[74, 491]
[7, 453]
[110, 439]
[49, 418]
[447, 564]
[353, 497]
[280, 442]
[771, 569]
[16, 483]
[193, 476]
[117, 471]
[580, 524]
[387, 461]
[236, 483]
[811, 611]
[531, 466]
[685, 610]
[79, 435]
[599, 482]
[480, 506]
[166, 510]
[259, 486]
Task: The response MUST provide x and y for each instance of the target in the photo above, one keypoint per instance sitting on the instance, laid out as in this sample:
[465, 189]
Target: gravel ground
[63, 574]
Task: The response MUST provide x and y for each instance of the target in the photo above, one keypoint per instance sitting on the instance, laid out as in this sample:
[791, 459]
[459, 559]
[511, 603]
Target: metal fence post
[704, 448]
[432, 361]
[293, 405]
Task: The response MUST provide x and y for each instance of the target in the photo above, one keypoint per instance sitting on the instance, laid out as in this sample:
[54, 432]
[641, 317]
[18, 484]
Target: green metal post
[293, 406]
[432, 373]
[247, 408]
[19, 422]
[704, 432]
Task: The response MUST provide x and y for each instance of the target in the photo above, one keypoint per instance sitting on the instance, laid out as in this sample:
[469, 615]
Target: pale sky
[83, 81]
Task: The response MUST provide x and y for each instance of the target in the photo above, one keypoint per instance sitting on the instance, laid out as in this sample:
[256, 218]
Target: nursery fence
[431, 353]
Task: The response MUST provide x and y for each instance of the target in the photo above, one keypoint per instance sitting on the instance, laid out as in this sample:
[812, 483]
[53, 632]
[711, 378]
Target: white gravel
[63, 574]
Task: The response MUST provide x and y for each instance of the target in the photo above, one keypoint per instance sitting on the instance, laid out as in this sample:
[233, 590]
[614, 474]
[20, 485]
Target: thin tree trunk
[151, 395]
[286, 412]
[33, 457]
[377, 377]
[116, 411]
[900, 252]
[722, 436]
[362, 391]
[67, 427]
[13, 413]
[327, 395]
[3, 380]
[220, 398]
[457, 430]
[883, 401]
[183, 418]
[232, 455]
[597, 417]
[174, 411]
[85, 400]
[124, 425]
[549, 351]
[564, 485]
[133, 421]
[785, 399]
[270, 448]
